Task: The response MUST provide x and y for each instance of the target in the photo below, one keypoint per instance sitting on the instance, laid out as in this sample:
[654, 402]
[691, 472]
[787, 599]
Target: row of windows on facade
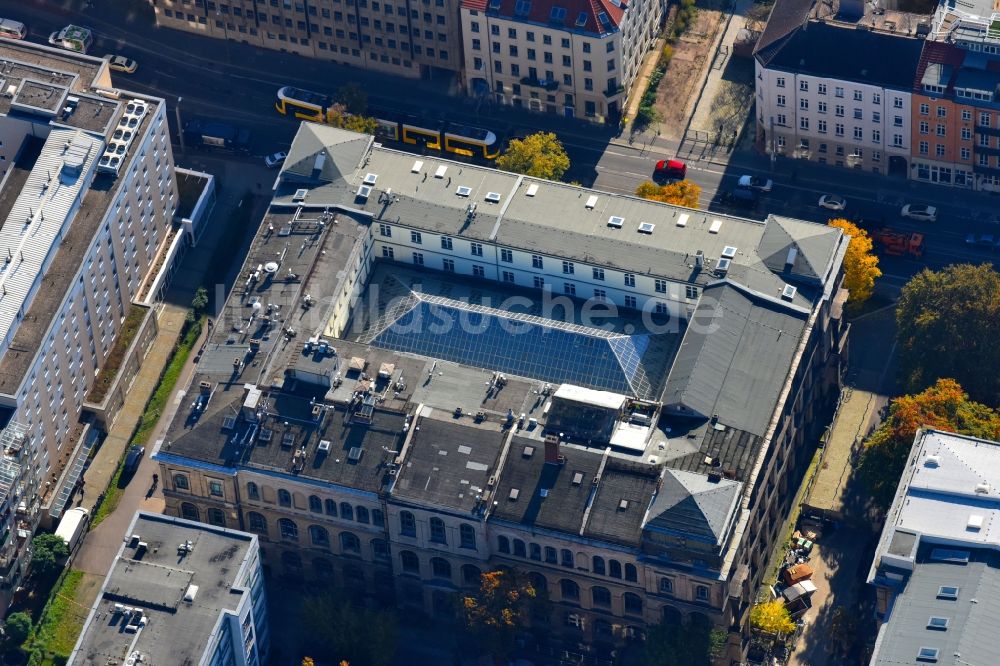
[940, 150]
[838, 91]
[312, 29]
[569, 288]
[547, 56]
[515, 68]
[507, 257]
[529, 37]
[299, 7]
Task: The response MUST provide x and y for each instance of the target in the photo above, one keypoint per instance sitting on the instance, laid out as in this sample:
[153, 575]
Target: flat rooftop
[155, 580]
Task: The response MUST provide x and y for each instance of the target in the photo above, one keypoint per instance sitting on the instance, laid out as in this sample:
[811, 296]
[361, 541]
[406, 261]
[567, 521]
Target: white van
[11, 29]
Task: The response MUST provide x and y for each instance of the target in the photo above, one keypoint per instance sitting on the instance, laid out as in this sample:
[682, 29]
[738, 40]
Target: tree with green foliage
[540, 155]
[198, 304]
[48, 553]
[944, 406]
[694, 643]
[354, 98]
[344, 631]
[946, 324]
[16, 629]
[503, 606]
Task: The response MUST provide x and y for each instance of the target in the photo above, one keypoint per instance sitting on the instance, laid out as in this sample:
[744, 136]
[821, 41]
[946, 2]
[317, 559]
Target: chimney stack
[552, 449]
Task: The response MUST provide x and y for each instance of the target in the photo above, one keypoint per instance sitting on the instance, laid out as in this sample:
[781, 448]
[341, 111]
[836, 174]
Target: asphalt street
[238, 82]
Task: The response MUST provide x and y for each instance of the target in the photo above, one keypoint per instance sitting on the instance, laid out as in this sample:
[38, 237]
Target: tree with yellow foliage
[503, 605]
[680, 193]
[860, 264]
[540, 155]
[772, 618]
[307, 661]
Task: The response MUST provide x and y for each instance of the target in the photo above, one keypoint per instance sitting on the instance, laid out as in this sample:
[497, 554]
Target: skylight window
[463, 190]
[523, 7]
[493, 197]
[947, 592]
[605, 21]
[557, 14]
[581, 20]
[938, 623]
[927, 655]
[616, 221]
[494, 5]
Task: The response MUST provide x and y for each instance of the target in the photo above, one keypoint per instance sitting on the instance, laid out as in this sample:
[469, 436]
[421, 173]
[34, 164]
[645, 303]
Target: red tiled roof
[540, 12]
[937, 53]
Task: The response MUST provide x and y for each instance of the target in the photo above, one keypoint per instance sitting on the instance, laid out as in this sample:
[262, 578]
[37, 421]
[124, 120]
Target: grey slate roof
[848, 54]
[634, 484]
[694, 507]
[342, 151]
[786, 17]
[973, 618]
[815, 248]
[734, 359]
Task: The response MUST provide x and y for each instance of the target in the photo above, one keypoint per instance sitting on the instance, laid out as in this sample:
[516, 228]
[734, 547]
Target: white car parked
[832, 202]
[921, 212]
[275, 159]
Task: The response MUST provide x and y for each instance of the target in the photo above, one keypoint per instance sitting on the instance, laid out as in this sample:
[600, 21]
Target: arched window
[672, 616]
[323, 568]
[471, 575]
[181, 482]
[633, 603]
[535, 551]
[289, 530]
[331, 508]
[599, 565]
[253, 492]
[566, 557]
[284, 497]
[189, 511]
[631, 574]
[503, 544]
[519, 549]
[569, 589]
[467, 536]
[409, 561]
[437, 531]
[380, 549]
[315, 504]
[538, 581]
[349, 542]
[319, 536]
[440, 567]
[257, 522]
[601, 596]
[378, 518]
[551, 555]
[216, 517]
[346, 511]
[407, 524]
[361, 513]
[614, 568]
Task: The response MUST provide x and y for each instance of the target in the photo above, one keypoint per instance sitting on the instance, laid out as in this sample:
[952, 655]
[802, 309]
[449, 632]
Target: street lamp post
[180, 127]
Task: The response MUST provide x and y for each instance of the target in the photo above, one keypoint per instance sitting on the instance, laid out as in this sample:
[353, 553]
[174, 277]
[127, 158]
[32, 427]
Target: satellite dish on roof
[257, 306]
[271, 267]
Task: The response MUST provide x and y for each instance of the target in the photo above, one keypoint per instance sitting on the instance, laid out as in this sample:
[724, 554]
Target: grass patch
[154, 409]
[124, 338]
[60, 623]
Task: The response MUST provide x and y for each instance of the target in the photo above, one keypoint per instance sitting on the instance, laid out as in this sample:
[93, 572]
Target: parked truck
[72, 38]
[73, 526]
[900, 243]
[207, 134]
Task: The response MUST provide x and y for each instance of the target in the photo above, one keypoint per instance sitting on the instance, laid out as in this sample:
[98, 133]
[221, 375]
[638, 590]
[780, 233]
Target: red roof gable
[577, 15]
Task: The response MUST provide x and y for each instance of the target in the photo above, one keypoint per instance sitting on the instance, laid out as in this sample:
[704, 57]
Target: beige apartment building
[577, 59]
[395, 407]
[87, 198]
[414, 38]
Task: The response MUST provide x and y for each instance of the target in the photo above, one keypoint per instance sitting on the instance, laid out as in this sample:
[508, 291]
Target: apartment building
[577, 59]
[449, 368]
[86, 201]
[413, 38]
[956, 106]
[179, 592]
[936, 563]
[837, 94]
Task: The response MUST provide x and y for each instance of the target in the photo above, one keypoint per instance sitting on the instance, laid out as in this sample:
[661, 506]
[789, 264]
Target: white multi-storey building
[574, 58]
[179, 592]
[837, 95]
[88, 196]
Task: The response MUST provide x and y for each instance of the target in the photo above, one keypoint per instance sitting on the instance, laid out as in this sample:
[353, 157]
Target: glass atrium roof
[523, 344]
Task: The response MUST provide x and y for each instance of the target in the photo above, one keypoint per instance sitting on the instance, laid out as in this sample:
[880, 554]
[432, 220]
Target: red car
[670, 169]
